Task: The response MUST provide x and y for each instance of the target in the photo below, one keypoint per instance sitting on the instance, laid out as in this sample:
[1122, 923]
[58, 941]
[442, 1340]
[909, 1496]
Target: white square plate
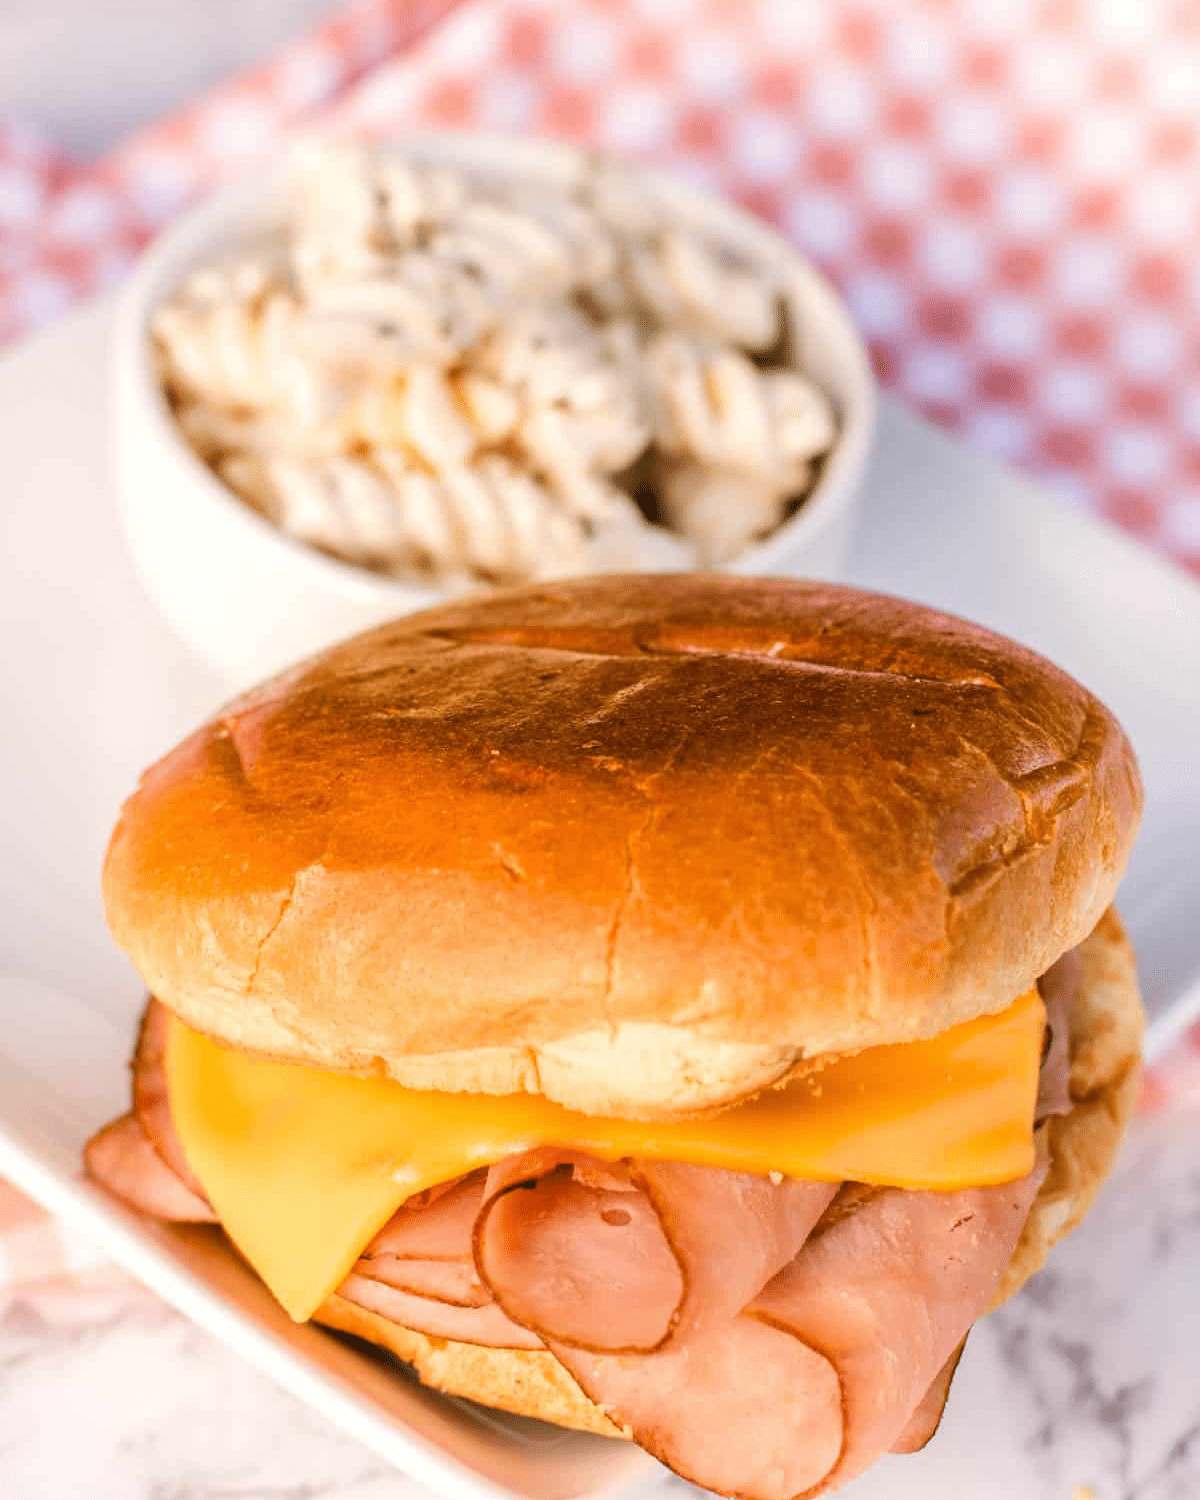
[93, 688]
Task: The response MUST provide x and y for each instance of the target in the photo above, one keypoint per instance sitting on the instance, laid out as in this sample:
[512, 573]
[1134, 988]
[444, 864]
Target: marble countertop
[1085, 1387]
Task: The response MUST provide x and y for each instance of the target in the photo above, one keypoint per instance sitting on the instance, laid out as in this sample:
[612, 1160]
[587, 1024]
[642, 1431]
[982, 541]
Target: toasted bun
[527, 1382]
[639, 844]
[1106, 1056]
[1106, 1031]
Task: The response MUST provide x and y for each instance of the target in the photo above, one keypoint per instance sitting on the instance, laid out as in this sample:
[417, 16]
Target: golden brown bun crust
[528, 1382]
[712, 823]
[1106, 1032]
[1106, 1056]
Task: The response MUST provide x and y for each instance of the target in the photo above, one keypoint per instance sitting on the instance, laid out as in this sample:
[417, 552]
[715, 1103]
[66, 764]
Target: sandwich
[673, 1008]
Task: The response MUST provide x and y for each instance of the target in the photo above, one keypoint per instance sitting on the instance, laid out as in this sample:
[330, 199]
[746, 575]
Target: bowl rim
[254, 204]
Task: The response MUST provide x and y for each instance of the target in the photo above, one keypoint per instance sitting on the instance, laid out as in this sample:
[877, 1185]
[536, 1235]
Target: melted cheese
[305, 1166]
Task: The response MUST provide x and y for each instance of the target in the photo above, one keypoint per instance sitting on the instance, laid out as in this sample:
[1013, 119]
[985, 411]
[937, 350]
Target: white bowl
[249, 600]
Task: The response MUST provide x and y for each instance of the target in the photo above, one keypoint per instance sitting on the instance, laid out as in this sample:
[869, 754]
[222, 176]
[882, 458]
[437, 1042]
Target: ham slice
[587, 1265]
[927, 1418]
[122, 1158]
[709, 1374]
[425, 1247]
[625, 1268]
[469, 1325]
[858, 1328]
[433, 1226]
[737, 1407]
[1058, 987]
[888, 1292]
[454, 1282]
[150, 1102]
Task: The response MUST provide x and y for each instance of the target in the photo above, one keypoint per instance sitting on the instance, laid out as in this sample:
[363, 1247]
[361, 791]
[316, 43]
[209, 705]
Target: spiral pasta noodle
[715, 406]
[722, 510]
[489, 519]
[223, 338]
[355, 209]
[681, 282]
[478, 380]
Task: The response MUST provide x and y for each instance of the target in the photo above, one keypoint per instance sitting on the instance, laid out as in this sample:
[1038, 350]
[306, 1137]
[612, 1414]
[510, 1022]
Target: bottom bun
[1106, 1032]
[1106, 1072]
[527, 1382]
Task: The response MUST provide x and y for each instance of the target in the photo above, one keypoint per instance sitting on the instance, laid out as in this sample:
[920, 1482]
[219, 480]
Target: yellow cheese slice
[305, 1166]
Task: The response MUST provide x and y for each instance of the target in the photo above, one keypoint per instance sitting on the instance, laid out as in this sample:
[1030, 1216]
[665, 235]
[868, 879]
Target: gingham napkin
[67, 232]
[1007, 195]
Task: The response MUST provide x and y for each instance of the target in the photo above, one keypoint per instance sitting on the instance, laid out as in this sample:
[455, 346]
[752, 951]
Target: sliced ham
[586, 1265]
[702, 1401]
[425, 1247]
[454, 1282]
[150, 1102]
[856, 1329]
[1058, 987]
[888, 1292]
[469, 1325]
[732, 1231]
[433, 1227]
[927, 1418]
[739, 1408]
[122, 1158]
[626, 1268]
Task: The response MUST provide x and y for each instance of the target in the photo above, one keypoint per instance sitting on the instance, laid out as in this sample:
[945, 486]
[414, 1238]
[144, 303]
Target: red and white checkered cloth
[1007, 195]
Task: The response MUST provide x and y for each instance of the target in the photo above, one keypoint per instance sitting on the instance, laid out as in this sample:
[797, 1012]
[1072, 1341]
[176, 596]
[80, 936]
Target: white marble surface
[1087, 1385]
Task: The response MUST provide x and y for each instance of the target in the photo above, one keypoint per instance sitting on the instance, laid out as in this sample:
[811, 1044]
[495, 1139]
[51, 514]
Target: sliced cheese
[305, 1166]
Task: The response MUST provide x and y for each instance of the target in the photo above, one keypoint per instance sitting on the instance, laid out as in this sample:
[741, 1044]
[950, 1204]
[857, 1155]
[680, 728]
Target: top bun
[640, 844]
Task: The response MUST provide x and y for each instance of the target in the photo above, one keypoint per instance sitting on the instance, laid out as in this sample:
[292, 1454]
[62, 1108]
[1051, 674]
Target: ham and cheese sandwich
[671, 1007]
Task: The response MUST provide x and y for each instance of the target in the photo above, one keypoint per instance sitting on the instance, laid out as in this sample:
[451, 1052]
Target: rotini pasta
[721, 510]
[420, 308]
[223, 349]
[713, 405]
[214, 432]
[416, 413]
[681, 282]
[354, 210]
[490, 520]
[470, 380]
